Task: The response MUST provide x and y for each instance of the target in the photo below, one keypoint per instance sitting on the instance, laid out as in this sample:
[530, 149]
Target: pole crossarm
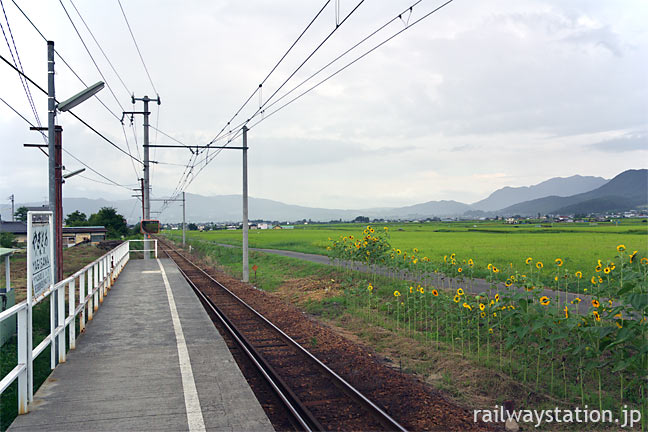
[198, 147]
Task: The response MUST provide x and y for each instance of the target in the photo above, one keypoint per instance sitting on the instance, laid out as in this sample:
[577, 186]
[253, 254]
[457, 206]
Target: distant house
[18, 229]
[277, 227]
[74, 235]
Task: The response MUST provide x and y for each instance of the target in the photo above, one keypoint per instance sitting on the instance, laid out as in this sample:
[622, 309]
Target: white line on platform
[192, 403]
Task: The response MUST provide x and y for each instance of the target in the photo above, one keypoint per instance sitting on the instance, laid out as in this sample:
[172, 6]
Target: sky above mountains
[478, 96]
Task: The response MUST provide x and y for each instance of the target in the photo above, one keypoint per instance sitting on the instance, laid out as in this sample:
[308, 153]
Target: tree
[361, 219]
[21, 214]
[76, 219]
[192, 226]
[7, 240]
[114, 223]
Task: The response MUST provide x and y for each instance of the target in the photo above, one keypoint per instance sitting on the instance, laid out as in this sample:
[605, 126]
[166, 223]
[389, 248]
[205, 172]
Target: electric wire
[275, 67]
[137, 47]
[408, 26]
[63, 60]
[64, 150]
[25, 84]
[305, 61]
[91, 57]
[100, 48]
[72, 113]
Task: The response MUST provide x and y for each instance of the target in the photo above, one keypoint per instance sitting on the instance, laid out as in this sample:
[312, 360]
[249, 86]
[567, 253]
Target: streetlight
[54, 136]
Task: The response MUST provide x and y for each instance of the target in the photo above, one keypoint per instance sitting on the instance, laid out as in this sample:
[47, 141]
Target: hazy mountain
[557, 186]
[428, 209]
[625, 191]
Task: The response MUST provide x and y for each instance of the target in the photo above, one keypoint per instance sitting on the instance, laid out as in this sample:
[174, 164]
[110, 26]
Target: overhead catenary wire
[137, 47]
[338, 25]
[274, 68]
[63, 60]
[72, 113]
[408, 26]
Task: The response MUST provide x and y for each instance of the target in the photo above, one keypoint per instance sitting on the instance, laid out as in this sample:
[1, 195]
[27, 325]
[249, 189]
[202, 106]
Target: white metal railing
[144, 245]
[89, 285]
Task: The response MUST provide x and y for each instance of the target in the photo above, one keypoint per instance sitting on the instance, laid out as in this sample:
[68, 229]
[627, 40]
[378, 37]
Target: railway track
[315, 396]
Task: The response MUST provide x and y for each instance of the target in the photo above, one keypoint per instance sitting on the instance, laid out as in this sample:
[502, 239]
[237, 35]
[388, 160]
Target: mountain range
[560, 195]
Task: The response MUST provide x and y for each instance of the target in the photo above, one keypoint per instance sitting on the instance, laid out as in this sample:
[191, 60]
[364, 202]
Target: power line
[90, 54]
[137, 47]
[274, 68]
[63, 59]
[66, 151]
[101, 49]
[72, 113]
[338, 25]
[351, 63]
[25, 85]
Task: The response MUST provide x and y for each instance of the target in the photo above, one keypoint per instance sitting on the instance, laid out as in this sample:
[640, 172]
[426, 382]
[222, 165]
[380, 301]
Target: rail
[89, 285]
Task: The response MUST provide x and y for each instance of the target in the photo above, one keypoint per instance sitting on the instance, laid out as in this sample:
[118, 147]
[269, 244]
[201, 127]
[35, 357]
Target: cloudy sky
[477, 96]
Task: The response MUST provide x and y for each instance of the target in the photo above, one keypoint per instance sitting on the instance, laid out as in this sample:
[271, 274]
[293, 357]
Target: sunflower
[482, 306]
[397, 293]
[566, 312]
[528, 260]
[459, 269]
[576, 300]
[495, 314]
[415, 250]
[460, 292]
[467, 306]
[593, 280]
[490, 330]
[597, 317]
[495, 269]
[490, 266]
[471, 262]
[370, 287]
[559, 262]
[435, 293]
[386, 229]
[644, 260]
[398, 251]
[497, 297]
[621, 248]
[539, 265]
[632, 256]
[579, 274]
[445, 258]
[595, 303]
[483, 314]
[544, 300]
[598, 268]
[600, 279]
[411, 290]
[452, 256]
[508, 282]
[457, 299]
[606, 270]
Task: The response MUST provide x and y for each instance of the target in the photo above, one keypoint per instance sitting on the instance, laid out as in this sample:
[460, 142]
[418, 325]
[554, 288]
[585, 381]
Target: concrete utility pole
[51, 146]
[13, 210]
[146, 191]
[246, 270]
[184, 222]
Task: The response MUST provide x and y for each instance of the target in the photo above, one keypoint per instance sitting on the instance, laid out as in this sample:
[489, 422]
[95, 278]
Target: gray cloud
[633, 141]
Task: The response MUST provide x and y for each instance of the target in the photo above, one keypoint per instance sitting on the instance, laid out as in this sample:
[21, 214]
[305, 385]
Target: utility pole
[184, 223]
[13, 210]
[51, 146]
[146, 188]
[58, 215]
[246, 270]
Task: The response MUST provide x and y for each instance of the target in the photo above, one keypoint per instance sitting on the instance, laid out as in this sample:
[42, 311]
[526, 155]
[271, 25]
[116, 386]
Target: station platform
[150, 359]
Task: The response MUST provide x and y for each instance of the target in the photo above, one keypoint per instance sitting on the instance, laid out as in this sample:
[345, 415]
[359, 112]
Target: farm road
[437, 280]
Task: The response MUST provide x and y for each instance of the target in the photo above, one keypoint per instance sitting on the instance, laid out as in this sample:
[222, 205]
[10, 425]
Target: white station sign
[39, 255]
